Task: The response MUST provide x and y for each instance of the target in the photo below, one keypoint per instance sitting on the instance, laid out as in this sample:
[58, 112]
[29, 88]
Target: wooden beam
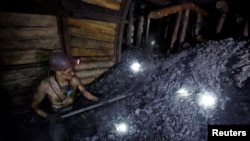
[93, 65]
[91, 52]
[80, 9]
[64, 35]
[85, 14]
[221, 22]
[184, 26]
[23, 19]
[111, 4]
[86, 81]
[90, 73]
[88, 33]
[89, 43]
[174, 9]
[223, 8]
[147, 30]
[23, 73]
[175, 32]
[90, 59]
[29, 6]
[19, 84]
[245, 31]
[63, 30]
[140, 29]
[8, 33]
[130, 28]
[24, 57]
[198, 25]
[74, 8]
[52, 43]
[97, 26]
[120, 31]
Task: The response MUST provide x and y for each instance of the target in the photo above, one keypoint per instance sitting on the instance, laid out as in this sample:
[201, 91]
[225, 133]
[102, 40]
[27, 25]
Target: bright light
[121, 128]
[183, 92]
[135, 66]
[153, 42]
[207, 100]
[77, 61]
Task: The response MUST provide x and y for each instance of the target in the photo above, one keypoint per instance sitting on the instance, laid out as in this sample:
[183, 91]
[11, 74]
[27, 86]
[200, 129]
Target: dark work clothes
[81, 124]
[65, 129]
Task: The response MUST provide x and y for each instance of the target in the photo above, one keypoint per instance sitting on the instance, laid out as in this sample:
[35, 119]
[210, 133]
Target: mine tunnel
[163, 70]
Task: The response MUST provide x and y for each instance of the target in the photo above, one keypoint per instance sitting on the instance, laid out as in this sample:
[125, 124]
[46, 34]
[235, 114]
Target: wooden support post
[139, 29]
[198, 25]
[64, 34]
[130, 31]
[220, 23]
[223, 8]
[245, 31]
[120, 30]
[166, 30]
[184, 27]
[147, 30]
[175, 32]
[63, 30]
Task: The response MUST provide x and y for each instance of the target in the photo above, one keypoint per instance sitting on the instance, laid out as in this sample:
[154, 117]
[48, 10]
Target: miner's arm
[38, 98]
[84, 92]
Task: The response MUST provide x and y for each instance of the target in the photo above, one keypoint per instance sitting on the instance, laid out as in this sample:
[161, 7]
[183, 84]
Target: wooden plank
[30, 44]
[29, 6]
[86, 14]
[21, 19]
[23, 91]
[88, 59]
[90, 43]
[22, 100]
[91, 52]
[12, 75]
[91, 34]
[20, 84]
[111, 4]
[95, 65]
[174, 9]
[86, 81]
[90, 73]
[24, 57]
[28, 33]
[91, 23]
[79, 9]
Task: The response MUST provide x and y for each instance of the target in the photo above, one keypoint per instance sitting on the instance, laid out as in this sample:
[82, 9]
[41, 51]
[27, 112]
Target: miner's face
[67, 73]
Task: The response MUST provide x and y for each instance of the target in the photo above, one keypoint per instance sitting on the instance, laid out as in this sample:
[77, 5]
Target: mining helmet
[59, 61]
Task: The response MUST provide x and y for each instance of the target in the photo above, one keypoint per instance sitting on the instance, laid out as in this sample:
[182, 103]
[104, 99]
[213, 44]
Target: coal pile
[168, 98]
[169, 104]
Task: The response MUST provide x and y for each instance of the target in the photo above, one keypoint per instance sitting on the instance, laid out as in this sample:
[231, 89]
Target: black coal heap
[169, 104]
[171, 100]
